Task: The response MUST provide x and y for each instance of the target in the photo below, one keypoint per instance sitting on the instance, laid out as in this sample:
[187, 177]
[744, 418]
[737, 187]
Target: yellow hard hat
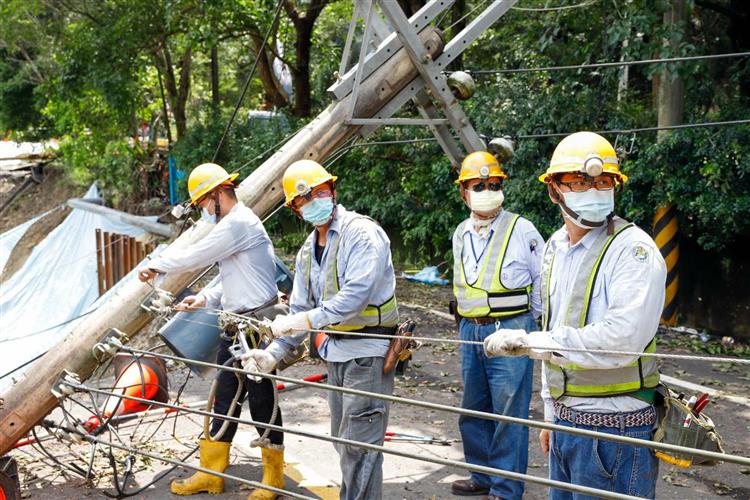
[584, 152]
[205, 178]
[480, 165]
[301, 176]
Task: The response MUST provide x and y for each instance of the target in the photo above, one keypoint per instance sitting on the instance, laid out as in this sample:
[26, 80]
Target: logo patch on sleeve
[640, 253]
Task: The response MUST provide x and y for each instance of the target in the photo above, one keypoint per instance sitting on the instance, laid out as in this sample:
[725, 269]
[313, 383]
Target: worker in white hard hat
[344, 281]
[602, 289]
[496, 256]
[247, 286]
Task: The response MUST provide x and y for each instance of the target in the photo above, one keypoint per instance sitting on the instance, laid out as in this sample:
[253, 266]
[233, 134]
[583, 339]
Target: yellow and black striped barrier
[666, 235]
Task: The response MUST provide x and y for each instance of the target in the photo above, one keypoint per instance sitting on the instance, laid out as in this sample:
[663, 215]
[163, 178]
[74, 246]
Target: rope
[450, 409]
[606, 64]
[249, 77]
[373, 447]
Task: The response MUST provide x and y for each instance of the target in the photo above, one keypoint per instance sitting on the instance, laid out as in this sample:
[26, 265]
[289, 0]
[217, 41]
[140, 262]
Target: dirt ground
[312, 465]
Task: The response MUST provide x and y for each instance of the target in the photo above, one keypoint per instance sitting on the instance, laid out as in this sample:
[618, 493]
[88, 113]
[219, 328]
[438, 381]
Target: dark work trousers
[259, 397]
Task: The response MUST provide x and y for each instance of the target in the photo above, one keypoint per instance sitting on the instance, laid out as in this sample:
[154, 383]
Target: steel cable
[373, 447]
[460, 411]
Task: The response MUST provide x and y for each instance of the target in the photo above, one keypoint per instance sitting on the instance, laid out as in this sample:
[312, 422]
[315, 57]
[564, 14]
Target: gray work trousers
[359, 418]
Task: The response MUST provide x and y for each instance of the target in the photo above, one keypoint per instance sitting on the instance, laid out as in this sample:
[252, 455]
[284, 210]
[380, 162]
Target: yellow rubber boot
[273, 473]
[214, 456]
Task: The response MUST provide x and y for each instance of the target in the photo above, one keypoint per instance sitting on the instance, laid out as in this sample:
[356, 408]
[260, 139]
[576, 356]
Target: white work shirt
[244, 252]
[523, 257]
[366, 276]
[626, 304]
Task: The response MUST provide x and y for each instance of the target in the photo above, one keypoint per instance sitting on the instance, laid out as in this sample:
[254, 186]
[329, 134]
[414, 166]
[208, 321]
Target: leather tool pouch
[398, 350]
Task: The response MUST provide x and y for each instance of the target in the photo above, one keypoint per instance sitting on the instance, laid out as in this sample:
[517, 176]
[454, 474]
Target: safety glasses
[317, 192]
[481, 186]
[580, 184]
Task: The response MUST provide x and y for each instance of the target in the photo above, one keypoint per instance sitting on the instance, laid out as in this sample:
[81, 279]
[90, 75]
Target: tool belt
[639, 418]
[482, 320]
[679, 425]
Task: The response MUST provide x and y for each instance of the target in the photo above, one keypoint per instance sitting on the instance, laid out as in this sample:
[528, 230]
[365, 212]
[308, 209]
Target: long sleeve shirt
[366, 276]
[521, 266]
[244, 253]
[626, 304]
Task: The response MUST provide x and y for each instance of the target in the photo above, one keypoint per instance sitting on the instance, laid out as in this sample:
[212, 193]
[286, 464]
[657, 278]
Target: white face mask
[592, 205]
[207, 216]
[486, 201]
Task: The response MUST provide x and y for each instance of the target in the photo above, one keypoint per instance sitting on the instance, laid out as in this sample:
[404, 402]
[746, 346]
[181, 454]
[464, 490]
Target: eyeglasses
[481, 186]
[603, 183]
[315, 193]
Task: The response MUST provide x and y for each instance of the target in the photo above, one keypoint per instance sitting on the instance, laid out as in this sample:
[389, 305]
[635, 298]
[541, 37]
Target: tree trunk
[177, 95]
[214, 64]
[458, 11]
[274, 94]
[183, 93]
[304, 23]
[301, 70]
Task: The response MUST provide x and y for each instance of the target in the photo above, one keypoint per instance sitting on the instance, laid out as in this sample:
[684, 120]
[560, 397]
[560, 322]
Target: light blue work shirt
[366, 276]
[244, 252]
[523, 257]
[626, 304]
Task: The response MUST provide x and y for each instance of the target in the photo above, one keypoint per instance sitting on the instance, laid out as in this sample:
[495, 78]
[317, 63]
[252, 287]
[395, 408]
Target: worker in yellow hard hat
[344, 282]
[496, 260]
[602, 289]
[247, 286]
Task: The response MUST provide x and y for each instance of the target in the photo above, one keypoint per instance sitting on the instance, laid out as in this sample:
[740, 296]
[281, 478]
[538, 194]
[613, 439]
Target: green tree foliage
[92, 71]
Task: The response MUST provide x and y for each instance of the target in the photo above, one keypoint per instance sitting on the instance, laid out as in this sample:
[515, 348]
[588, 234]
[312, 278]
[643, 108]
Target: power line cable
[638, 130]
[555, 9]
[608, 64]
[249, 77]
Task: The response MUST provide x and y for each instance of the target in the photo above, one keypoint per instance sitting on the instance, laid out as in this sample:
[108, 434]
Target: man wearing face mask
[495, 282]
[244, 253]
[602, 288]
[344, 281]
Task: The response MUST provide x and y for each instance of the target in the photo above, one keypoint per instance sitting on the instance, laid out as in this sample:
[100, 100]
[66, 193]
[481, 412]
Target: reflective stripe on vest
[385, 314]
[575, 380]
[488, 296]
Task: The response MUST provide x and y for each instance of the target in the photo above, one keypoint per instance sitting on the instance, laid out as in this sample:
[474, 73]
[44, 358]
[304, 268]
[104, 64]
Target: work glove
[289, 324]
[505, 342]
[258, 360]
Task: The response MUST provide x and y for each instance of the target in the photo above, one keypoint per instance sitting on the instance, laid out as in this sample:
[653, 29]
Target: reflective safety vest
[638, 378]
[385, 314]
[487, 296]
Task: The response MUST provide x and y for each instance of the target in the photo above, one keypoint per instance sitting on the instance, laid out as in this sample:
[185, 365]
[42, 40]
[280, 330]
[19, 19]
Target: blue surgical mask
[208, 217]
[592, 205]
[318, 211]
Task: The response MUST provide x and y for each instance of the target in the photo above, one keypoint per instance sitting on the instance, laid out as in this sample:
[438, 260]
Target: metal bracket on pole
[432, 74]
[452, 50]
[424, 16]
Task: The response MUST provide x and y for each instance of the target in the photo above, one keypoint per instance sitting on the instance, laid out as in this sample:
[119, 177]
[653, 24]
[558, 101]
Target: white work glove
[289, 324]
[506, 342]
[258, 360]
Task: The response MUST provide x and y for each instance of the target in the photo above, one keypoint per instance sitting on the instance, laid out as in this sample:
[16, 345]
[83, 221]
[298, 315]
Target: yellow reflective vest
[385, 314]
[635, 379]
[487, 296]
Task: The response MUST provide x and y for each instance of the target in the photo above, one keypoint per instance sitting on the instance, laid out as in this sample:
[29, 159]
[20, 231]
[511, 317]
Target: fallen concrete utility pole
[152, 227]
[30, 400]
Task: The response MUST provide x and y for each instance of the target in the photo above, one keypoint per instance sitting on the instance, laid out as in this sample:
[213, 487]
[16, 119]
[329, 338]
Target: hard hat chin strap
[217, 205]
